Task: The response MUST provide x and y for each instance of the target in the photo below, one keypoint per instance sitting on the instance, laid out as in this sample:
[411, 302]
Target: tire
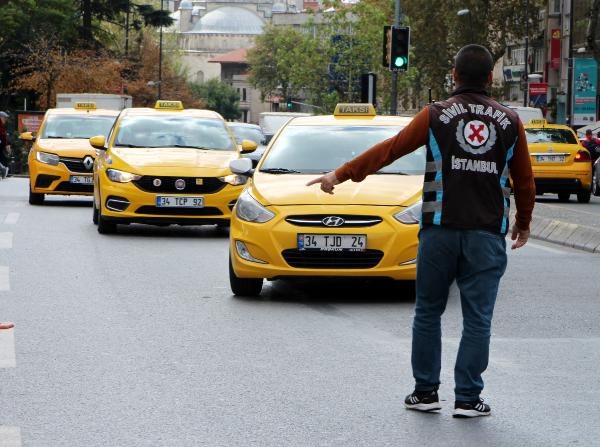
[105, 226]
[595, 184]
[35, 198]
[95, 213]
[244, 286]
[584, 196]
[563, 196]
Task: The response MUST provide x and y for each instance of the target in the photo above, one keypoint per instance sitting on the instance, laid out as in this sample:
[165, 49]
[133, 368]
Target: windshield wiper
[54, 136]
[128, 145]
[392, 173]
[191, 147]
[280, 171]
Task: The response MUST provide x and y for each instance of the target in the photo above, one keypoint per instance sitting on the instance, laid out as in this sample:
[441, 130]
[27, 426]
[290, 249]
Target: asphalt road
[134, 339]
[587, 214]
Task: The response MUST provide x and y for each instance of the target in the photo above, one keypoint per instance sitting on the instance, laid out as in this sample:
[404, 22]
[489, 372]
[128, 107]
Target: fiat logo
[157, 182]
[333, 221]
[88, 163]
[180, 184]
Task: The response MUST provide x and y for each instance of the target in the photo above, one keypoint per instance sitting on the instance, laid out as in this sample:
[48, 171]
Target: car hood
[174, 158]
[291, 189]
[66, 147]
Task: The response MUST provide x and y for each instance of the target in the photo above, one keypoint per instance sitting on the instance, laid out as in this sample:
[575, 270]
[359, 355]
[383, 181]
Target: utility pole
[127, 30]
[160, 46]
[394, 90]
[570, 69]
[526, 92]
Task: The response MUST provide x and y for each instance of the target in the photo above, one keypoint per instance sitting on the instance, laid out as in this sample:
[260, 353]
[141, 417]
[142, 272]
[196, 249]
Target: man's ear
[490, 78]
[455, 75]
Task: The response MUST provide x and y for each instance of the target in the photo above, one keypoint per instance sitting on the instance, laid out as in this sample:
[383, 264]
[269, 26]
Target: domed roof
[229, 20]
[186, 4]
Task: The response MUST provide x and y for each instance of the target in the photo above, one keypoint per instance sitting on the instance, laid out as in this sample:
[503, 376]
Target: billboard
[538, 95]
[29, 121]
[585, 89]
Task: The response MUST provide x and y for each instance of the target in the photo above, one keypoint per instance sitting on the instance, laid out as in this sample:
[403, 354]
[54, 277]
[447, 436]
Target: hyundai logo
[333, 221]
[180, 184]
[88, 163]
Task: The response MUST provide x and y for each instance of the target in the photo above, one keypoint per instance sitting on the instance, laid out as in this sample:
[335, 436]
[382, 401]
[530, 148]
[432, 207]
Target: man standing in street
[473, 145]
[4, 146]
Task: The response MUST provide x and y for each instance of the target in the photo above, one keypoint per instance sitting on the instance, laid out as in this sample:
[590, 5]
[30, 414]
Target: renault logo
[88, 163]
[333, 221]
[180, 184]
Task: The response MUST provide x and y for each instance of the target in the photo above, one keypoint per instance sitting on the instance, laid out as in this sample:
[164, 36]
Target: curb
[565, 233]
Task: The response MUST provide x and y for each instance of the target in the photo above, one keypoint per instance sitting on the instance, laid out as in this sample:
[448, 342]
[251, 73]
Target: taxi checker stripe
[432, 186]
[503, 184]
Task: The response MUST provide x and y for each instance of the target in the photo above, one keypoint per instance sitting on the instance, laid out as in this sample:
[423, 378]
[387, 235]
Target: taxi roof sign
[168, 105]
[538, 122]
[85, 106]
[354, 109]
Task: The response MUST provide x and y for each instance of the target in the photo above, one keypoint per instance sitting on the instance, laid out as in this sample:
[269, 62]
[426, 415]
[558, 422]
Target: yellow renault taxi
[166, 165]
[281, 228]
[61, 158]
[560, 164]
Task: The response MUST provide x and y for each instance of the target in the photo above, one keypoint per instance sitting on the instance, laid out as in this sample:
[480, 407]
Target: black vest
[470, 147]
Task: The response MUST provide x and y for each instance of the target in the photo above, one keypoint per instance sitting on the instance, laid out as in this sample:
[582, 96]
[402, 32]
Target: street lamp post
[160, 45]
[526, 92]
[394, 89]
[467, 12]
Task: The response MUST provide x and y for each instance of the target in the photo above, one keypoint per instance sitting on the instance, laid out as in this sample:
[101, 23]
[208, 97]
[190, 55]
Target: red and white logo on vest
[476, 137]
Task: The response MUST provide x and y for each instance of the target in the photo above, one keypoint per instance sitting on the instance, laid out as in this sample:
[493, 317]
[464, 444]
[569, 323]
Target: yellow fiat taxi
[166, 165]
[281, 228]
[560, 164]
[61, 159]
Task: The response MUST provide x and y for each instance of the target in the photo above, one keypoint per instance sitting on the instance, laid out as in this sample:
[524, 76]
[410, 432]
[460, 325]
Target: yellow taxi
[61, 159]
[560, 164]
[166, 165]
[281, 228]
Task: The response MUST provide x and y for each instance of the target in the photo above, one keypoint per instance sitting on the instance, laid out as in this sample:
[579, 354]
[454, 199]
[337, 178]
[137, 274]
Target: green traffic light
[400, 62]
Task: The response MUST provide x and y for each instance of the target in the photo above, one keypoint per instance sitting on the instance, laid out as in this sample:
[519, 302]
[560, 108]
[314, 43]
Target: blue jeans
[476, 259]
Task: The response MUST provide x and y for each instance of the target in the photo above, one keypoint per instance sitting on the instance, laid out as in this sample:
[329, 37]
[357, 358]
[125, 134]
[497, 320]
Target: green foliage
[218, 96]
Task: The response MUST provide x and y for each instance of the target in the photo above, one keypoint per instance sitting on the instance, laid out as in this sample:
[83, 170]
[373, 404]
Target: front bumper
[275, 243]
[48, 179]
[139, 206]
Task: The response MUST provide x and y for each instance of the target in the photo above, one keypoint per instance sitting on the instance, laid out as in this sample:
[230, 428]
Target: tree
[218, 96]
[592, 29]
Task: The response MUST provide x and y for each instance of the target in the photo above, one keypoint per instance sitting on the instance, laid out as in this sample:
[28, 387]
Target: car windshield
[316, 149]
[76, 126]
[550, 136]
[247, 133]
[174, 131]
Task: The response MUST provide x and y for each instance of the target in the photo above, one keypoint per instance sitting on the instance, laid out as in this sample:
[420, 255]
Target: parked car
[271, 122]
[252, 132]
[527, 113]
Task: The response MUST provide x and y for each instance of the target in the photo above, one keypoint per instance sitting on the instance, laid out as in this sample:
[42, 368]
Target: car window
[247, 133]
[76, 126]
[315, 149]
[550, 136]
[173, 131]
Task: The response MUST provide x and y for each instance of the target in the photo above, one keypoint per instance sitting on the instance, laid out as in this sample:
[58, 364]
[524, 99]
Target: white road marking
[10, 436]
[4, 279]
[6, 240]
[8, 358]
[548, 249]
[11, 218]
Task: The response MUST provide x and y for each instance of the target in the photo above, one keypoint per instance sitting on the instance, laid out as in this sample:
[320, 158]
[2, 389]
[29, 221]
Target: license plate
[550, 158]
[179, 202]
[332, 242]
[82, 179]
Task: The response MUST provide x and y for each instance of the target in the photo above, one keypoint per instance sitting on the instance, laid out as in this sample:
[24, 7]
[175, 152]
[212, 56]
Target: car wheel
[595, 184]
[563, 196]
[35, 198]
[584, 196]
[95, 213]
[244, 286]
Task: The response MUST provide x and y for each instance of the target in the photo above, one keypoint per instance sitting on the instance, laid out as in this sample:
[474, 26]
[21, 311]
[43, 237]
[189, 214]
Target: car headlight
[234, 179]
[410, 215]
[248, 209]
[121, 176]
[47, 158]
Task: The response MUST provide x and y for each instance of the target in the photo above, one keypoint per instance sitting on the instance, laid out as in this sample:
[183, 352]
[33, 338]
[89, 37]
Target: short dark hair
[588, 131]
[473, 64]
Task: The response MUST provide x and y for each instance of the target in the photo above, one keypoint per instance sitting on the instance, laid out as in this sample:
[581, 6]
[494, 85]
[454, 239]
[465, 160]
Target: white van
[528, 113]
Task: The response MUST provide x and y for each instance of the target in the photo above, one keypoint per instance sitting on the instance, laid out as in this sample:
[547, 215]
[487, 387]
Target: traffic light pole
[394, 90]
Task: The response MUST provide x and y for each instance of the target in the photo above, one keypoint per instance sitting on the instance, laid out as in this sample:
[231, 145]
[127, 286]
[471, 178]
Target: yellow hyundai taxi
[281, 228]
[560, 164]
[61, 159]
[166, 165]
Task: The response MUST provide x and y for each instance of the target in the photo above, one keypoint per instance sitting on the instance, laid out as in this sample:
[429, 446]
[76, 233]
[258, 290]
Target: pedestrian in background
[4, 146]
[473, 145]
[592, 145]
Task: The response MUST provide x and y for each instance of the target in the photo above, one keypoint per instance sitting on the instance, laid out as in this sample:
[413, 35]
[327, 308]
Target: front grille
[332, 259]
[350, 220]
[167, 184]
[75, 164]
[74, 187]
[44, 181]
[160, 211]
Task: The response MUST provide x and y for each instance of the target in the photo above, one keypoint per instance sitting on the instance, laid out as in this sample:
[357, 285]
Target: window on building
[245, 114]
[243, 94]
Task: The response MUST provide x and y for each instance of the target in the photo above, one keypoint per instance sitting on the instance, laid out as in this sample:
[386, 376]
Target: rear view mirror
[27, 136]
[98, 142]
[248, 146]
[241, 166]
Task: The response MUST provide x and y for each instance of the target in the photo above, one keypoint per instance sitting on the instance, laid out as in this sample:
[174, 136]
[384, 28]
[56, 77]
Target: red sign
[538, 89]
[555, 49]
[29, 121]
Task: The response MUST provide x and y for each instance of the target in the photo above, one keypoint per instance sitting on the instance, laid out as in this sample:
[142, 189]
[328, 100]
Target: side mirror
[27, 136]
[98, 142]
[248, 146]
[241, 166]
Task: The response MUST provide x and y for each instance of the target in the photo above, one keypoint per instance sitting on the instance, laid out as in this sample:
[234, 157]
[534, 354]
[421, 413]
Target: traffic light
[289, 103]
[399, 47]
